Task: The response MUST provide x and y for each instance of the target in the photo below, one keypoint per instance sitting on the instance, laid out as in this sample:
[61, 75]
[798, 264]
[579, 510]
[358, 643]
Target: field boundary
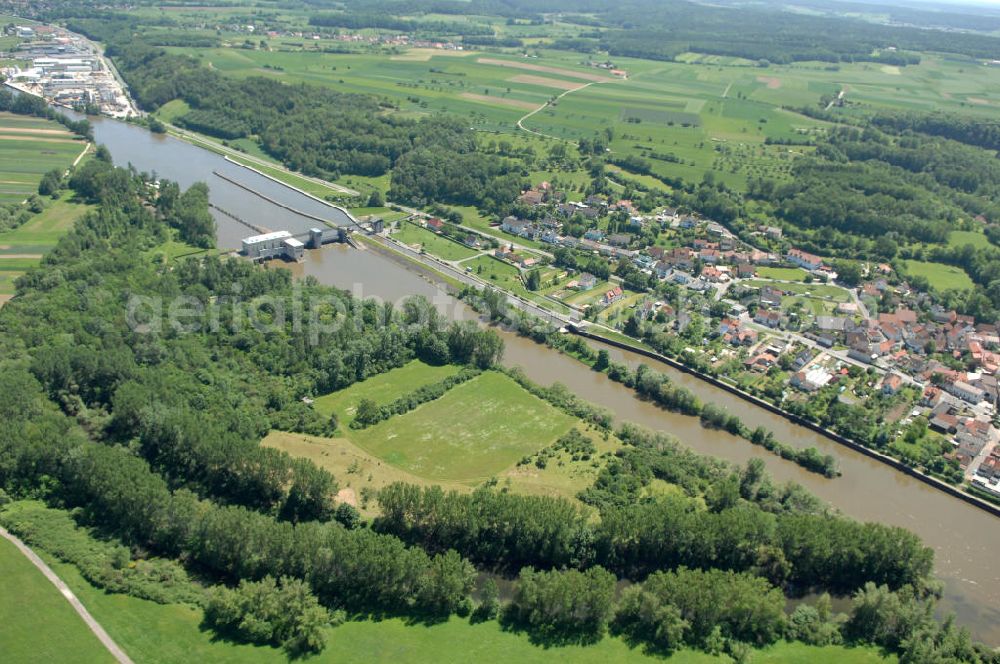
[64, 590]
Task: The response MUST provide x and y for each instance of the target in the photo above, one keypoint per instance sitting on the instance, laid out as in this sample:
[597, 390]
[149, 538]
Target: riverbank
[800, 421]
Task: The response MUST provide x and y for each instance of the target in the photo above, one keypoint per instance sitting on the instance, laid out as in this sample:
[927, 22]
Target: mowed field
[30, 147]
[37, 624]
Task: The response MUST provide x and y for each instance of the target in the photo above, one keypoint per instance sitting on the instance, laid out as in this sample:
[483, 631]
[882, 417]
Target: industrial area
[65, 69]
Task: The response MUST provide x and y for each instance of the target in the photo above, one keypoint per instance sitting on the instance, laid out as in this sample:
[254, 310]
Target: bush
[284, 613]
[567, 607]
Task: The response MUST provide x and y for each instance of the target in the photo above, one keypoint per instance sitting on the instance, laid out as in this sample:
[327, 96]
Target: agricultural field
[696, 115]
[30, 147]
[22, 248]
[38, 623]
[413, 235]
[940, 276]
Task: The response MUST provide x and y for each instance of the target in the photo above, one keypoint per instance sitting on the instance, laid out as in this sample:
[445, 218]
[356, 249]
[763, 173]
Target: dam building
[279, 244]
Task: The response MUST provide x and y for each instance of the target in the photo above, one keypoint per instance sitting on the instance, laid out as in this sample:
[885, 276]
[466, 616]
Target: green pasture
[432, 243]
[473, 432]
[38, 624]
[940, 276]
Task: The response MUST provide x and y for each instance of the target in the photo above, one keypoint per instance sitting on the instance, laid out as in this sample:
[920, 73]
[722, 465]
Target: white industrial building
[279, 244]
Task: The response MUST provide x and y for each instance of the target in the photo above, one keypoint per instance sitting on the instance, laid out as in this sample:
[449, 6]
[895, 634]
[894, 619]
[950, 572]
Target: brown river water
[966, 540]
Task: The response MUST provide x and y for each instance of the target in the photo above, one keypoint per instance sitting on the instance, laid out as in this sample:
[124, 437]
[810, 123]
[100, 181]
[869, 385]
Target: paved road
[94, 626]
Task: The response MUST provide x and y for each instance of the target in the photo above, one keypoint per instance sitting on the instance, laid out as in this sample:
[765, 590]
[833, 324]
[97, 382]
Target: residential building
[804, 259]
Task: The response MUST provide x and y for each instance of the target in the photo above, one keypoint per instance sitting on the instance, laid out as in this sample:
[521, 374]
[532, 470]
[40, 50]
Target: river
[966, 540]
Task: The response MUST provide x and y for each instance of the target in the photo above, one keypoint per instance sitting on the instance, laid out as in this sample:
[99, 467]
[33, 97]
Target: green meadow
[38, 624]
[940, 276]
[476, 430]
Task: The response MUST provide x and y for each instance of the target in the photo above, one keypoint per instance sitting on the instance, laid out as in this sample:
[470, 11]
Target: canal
[966, 540]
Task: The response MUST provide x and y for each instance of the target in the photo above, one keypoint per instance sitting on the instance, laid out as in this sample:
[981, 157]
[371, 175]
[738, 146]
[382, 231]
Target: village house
[533, 197]
[768, 317]
[710, 256]
[714, 275]
[804, 259]
[680, 258]
[613, 295]
[586, 281]
[515, 226]
[770, 296]
[966, 392]
[974, 434]
[812, 379]
[620, 239]
[434, 224]
[891, 383]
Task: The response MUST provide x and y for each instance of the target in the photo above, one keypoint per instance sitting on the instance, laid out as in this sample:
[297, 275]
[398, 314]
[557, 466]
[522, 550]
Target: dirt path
[520, 123]
[94, 626]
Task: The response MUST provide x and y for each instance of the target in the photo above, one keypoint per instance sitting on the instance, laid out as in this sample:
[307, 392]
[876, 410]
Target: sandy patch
[892, 70]
[4, 299]
[14, 182]
[979, 100]
[347, 496]
[34, 257]
[499, 101]
[4, 247]
[425, 54]
[29, 130]
[545, 81]
[39, 139]
[597, 78]
[771, 82]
